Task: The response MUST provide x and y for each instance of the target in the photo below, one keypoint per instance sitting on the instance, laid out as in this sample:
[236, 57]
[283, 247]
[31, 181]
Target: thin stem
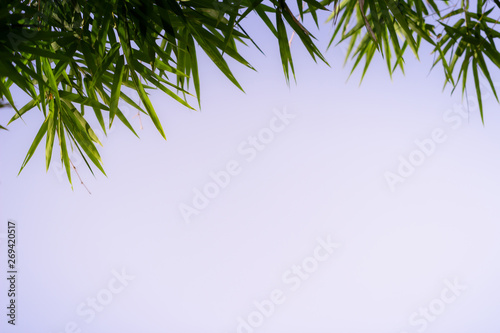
[81, 181]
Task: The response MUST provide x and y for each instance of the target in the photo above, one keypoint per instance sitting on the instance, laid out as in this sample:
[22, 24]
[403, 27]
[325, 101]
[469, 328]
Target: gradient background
[323, 175]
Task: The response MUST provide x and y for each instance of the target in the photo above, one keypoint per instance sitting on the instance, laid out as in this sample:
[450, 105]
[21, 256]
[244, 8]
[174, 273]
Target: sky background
[324, 176]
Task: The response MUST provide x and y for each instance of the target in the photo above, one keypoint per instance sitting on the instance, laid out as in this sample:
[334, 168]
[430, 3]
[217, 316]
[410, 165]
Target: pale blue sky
[324, 174]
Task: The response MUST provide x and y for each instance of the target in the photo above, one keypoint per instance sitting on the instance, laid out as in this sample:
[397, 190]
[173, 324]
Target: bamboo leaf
[51, 131]
[39, 136]
[115, 92]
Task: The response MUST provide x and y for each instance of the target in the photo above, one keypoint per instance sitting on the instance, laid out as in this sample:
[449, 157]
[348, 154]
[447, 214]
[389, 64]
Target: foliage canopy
[72, 55]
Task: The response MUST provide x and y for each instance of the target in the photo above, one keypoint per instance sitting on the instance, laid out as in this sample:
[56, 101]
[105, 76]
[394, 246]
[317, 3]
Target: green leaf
[81, 135]
[63, 149]
[52, 82]
[72, 97]
[286, 56]
[28, 106]
[478, 87]
[42, 53]
[51, 131]
[115, 92]
[147, 103]
[36, 141]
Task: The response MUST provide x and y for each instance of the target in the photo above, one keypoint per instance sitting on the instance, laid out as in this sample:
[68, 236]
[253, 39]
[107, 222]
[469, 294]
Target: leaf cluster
[75, 57]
